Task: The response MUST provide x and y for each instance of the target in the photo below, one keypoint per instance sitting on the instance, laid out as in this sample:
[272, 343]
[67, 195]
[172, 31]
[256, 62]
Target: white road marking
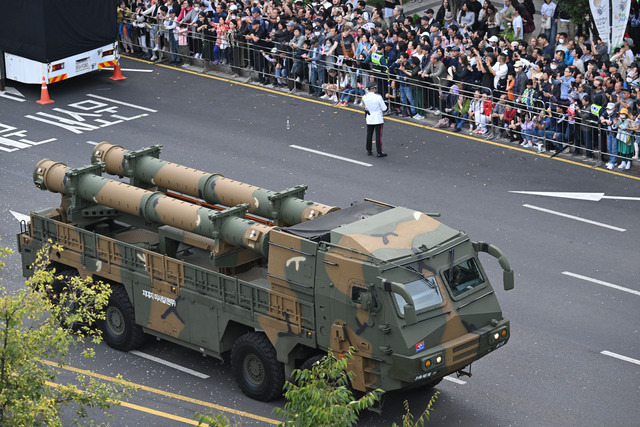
[20, 216]
[621, 357]
[12, 96]
[169, 364]
[137, 70]
[577, 218]
[322, 153]
[600, 282]
[593, 197]
[455, 380]
[92, 143]
[122, 103]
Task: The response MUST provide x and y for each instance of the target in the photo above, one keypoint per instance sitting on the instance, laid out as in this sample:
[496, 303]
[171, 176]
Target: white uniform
[374, 103]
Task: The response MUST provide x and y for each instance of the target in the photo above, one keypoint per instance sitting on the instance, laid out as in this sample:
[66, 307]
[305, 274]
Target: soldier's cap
[372, 85]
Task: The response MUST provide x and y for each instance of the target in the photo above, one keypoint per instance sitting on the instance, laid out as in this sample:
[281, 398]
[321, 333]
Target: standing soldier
[374, 106]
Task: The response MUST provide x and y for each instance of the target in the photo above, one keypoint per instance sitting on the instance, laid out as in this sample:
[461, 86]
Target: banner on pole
[620, 16]
[600, 11]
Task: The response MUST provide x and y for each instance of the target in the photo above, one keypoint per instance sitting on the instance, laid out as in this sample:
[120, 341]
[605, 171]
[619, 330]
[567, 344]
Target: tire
[119, 329]
[256, 368]
[59, 285]
[432, 384]
[308, 364]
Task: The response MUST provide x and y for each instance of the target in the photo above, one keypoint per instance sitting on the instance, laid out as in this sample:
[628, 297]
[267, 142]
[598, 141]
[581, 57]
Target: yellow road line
[141, 408]
[167, 394]
[159, 413]
[405, 122]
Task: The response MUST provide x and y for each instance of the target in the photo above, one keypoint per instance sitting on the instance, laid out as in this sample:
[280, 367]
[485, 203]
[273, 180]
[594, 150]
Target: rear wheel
[119, 328]
[62, 284]
[432, 384]
[256, 367]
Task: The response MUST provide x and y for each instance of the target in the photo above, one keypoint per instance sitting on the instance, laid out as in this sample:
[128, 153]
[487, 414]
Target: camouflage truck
[268, 278]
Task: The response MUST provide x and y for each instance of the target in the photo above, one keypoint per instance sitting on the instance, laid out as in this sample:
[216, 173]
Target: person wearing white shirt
[518, 31]
[374, 107]
[499, 70]
[547, 10]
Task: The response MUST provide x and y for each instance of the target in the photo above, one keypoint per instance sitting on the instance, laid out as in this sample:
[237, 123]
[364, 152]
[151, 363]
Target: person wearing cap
[624, 138]
[374, 107]
[379, 65]
[608, 119]
[257, 40]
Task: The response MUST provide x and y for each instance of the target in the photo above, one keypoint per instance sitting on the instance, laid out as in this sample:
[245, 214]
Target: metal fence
[528, 121]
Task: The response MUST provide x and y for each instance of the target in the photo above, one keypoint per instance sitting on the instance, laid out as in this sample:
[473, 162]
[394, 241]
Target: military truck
[269, 279]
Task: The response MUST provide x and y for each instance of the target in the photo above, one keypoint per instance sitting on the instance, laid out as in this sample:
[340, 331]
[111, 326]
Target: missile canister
[143, 166]
[229, 226]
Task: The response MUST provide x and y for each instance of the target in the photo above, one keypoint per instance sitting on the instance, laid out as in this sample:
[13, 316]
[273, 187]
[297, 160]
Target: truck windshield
[424, 292]
[464, 277]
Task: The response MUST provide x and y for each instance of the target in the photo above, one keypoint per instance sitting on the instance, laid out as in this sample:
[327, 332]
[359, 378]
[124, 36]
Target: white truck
[57, 39]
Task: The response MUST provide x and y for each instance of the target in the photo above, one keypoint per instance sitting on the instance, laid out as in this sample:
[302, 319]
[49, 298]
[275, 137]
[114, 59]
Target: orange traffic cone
[117, 73]
[44, 94]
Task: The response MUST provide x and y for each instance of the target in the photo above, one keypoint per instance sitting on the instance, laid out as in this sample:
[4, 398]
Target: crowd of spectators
[484, 66]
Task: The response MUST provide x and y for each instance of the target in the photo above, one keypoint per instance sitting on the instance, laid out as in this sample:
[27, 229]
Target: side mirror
[508, 280]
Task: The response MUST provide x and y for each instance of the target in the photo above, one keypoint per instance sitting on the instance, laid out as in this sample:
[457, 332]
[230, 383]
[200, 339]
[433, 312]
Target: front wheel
[256, 367]
[119, 327]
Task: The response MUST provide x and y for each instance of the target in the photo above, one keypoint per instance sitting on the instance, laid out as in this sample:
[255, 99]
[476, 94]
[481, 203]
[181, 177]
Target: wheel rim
[115, 321]
[254, 369]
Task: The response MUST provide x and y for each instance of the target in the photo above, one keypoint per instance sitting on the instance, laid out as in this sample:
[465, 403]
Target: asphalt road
[574, 354]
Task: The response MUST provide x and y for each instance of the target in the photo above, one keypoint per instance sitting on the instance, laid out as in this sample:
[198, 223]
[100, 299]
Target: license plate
[82, 65]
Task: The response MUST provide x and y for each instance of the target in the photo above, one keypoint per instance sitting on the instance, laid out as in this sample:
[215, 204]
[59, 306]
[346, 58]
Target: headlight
[499, 335]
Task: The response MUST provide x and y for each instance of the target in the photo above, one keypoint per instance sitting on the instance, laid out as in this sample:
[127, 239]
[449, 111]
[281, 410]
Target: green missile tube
[155, 207]
[144, 168]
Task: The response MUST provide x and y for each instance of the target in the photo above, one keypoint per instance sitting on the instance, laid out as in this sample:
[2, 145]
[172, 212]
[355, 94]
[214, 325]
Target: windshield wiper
[474, 300]
[429, 284]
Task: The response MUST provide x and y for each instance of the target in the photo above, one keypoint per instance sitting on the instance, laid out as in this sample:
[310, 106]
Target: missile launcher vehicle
[266, 277]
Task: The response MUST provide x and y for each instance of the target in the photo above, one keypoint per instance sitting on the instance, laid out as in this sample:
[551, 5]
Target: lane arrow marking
[592, 197]
[21, 217]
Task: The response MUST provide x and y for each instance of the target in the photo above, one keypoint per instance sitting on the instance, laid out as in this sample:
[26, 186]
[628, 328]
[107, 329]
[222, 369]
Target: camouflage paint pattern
[144, 168]
[336, 292]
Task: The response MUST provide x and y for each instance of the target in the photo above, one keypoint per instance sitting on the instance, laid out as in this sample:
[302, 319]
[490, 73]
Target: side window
[356, 292]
